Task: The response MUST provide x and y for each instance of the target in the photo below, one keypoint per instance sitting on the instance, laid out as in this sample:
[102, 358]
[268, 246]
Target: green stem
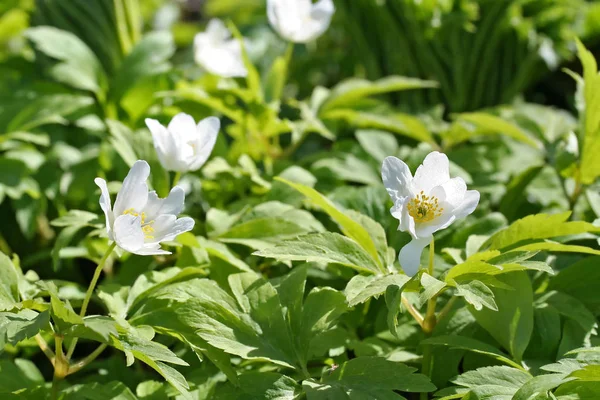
[91, 357]
[122, 30]
[176, 178]
[429, 323]
[61, 365]
[90, 291]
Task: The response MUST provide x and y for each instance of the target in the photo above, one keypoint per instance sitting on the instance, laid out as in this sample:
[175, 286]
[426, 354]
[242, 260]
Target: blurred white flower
[217, 52]
[425, 204]
[140, 221]
[184, 146]
[300, 21]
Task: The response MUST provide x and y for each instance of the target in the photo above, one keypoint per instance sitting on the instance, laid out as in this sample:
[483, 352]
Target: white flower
[425, 204]
[300, 21]
[217, 52]
[140, 220]
[184, 146]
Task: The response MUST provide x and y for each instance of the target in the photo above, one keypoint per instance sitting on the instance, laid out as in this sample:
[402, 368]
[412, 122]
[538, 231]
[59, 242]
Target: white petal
[410, 255]
[134, 192]
[167, 227]
[151, 249]
[451, 193]
[128, 233]
[470, 202]
[397, 178]
[434, 171]
[439, 223]
[183, 128]
[217, 31]
[105, 205]
[165, 146]
[207, 131]
[172, 204]
[400, 212]
[219, 56]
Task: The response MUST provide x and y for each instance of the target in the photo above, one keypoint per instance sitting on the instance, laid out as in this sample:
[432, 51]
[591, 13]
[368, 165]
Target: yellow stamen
[146, 226]
[424, 208]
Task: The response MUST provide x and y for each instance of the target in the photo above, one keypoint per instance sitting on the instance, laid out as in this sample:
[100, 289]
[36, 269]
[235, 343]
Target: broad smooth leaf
[48, 109]
[580, 280]
[489, 124]
[78, 66]
[538, 226]
[348, 91]
[512, 324]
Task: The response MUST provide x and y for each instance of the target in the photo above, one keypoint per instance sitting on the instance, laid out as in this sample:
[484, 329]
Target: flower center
[424, 208]
[146, 226]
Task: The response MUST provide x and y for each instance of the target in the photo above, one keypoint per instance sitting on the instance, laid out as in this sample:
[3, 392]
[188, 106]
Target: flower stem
[429, 323]
[176, 178]
[61, 365]
[90, 291]
[45, 348]
[413, 311]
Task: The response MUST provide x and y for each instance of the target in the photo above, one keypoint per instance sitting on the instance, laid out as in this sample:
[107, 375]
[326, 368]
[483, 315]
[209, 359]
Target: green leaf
[431, 287]
[253, 76]
[348, 226]
[539, 384]
[512, 324]
[149, 57]
[401, 124]
[48, 109]
[538, 226]
[489, 124]
[496, 382]
[262, 385]
[18, 374]
[78, 66]
[16, 327]
[589, 167]
[277, 76]
[98, 391]
[474, 345]
[510, 203]
[477, 294]
[368, 378]
[349, 168]
[347, 92]
[322, 247]
[62, 313]
[548, 245]
[580, 280]
[9, 283]
[362, 288]
[379, 144]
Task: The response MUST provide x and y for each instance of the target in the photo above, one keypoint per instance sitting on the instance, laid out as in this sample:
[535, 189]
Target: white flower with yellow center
[140, 221]
[183, 146]
[425, 204]
[217, 52]
[300, 21]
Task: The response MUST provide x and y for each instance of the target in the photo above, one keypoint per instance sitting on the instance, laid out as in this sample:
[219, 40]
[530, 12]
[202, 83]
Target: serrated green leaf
[15, 327]
[9, 283]
[477, 294]
[496, 382]
[362, 288]
[322, 247]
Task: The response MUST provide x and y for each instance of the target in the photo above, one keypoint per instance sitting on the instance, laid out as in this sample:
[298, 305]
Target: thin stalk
[45, 348]
[429, 323]
[176, 178]
[91, 357]
[90, 291]
[446, 309]
[413, 311]
[122, 29]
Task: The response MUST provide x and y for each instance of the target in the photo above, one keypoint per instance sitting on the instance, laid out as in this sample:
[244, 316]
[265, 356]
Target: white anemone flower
[140, 221]
[425, 204]
[183, 146]
[300, 21]
[217, 52]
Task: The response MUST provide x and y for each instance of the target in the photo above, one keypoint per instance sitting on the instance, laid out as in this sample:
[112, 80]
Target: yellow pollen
[424, 208]
[146, 226]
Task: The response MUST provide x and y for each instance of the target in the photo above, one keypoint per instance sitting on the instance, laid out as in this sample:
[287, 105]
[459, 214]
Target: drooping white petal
[151, 249]
[105, 205]
[128, 234]
[410, 255]
[426, 229]
[468, 204]
[206, 132]
[172, 204]
[134, 192]
[434, 171]
[397, 178]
